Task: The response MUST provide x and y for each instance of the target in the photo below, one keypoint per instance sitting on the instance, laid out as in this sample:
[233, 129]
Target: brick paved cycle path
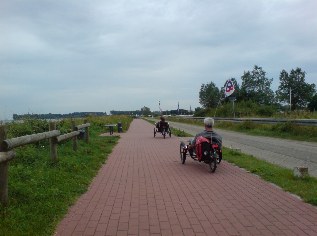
[143, 189]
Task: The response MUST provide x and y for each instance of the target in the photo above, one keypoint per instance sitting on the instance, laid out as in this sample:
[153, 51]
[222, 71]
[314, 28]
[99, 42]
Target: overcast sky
[100, 55]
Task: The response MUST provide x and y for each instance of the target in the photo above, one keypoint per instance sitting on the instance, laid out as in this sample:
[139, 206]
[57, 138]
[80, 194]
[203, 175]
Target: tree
[209, 95]
[146, 111]
[294, 88]
[256, 87]
[312, 106]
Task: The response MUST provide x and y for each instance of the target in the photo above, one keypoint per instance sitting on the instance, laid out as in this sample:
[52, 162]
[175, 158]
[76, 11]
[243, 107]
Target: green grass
[180, 133]
[306, 188]
[41, 192]
[286, 130]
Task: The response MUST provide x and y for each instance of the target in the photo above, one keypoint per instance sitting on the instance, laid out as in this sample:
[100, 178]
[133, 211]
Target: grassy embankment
[288, 130]
[40, 191]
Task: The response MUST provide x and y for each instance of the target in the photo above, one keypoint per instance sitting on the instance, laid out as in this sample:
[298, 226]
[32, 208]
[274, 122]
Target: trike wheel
[164, 133]
[182, 152]
[154, 132]
[218, 159]
[219, 156]
[213, 164]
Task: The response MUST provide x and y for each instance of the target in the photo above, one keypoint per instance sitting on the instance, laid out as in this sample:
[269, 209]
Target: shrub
[266, 111]
[247, 125]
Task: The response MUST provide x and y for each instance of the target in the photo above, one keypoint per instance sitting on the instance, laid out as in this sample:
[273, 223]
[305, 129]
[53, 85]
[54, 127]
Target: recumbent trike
[204, 151]
[163, 128]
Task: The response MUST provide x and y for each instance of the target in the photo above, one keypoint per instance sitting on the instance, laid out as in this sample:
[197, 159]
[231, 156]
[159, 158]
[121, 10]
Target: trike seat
[162, 125]
[163, 128]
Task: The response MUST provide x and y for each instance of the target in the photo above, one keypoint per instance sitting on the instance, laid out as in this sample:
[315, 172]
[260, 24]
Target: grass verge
[288, 130]
[305, 188]
[180, 133]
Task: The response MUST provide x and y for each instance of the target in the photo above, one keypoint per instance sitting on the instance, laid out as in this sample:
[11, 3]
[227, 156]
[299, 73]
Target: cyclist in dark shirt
[162, 123]
[207, 133]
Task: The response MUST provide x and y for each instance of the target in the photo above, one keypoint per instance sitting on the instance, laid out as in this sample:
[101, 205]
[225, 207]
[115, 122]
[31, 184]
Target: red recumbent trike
[204, 151]
[163, 128]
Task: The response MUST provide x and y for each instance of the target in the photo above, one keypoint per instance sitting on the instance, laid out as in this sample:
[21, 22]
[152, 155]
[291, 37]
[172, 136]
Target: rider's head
[209, 122]
[162, 118]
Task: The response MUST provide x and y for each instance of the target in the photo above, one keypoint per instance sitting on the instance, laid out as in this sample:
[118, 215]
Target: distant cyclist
[162, 123]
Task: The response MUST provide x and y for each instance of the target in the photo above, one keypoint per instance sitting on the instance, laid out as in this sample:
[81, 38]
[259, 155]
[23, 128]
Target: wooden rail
[63, 137]
[7, 154]
[28, 139]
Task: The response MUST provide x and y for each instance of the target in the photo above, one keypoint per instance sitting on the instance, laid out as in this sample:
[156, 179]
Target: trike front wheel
[213, 163]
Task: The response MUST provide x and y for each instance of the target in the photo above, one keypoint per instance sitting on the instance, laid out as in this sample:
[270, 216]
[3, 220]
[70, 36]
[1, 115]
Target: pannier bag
[203, 147]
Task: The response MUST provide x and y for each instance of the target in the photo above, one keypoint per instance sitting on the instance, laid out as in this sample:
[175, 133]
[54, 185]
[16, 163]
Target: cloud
[67, 56]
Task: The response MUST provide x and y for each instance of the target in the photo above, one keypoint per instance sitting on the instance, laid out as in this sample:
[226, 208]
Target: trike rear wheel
[182, 153]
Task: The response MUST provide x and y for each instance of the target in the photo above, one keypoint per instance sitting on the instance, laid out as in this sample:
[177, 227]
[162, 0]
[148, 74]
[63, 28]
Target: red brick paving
[143, 189]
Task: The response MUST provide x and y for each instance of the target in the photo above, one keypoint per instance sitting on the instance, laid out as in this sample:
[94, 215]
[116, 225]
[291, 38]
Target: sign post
[229, 90]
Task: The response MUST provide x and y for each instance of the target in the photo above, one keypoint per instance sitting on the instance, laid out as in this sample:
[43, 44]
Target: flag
[160, 106]
[229, 87]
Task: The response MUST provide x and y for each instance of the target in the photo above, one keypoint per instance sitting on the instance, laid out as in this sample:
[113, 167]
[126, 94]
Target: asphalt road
[286, 153]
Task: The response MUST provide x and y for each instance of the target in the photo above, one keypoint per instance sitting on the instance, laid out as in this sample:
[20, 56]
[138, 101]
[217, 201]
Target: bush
[247, 125]
[266, 111]
[287, 127]
[240, 109]
[201, 112]
[27, 127]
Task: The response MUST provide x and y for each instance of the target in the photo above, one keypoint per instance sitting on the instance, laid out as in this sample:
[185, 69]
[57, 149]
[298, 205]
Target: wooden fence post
[75, 143]
[86, 132]
[4, 166]
[53, 143]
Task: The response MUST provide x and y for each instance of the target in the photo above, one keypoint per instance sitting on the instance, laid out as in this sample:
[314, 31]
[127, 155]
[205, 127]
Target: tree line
[293, 92]
[57, 116]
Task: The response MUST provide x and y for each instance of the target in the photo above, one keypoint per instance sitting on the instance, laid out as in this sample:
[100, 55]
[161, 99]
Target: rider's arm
[192, 143]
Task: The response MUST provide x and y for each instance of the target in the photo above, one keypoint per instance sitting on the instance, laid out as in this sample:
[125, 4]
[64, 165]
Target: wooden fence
[7, 145]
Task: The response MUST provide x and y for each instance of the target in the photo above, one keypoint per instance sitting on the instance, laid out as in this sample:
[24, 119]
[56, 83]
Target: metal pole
[234, 114]
[290, 99]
